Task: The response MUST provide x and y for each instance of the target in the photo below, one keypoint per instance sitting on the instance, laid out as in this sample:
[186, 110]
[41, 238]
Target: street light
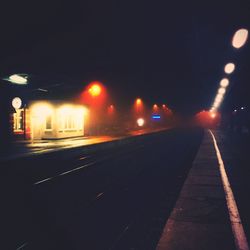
[240, 38]
[224, 82]
[229, 68]
[138, 101]
[213, 115]
[20, 79]
[140, 122]
[95, 89]
[222, 91]
[138, 106]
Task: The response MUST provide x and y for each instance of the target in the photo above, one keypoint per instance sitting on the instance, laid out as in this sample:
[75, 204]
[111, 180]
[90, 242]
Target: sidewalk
[200, 219]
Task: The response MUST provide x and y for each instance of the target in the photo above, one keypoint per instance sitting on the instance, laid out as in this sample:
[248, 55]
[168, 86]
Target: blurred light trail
[229, 68]
[222, 91]
[240, 38]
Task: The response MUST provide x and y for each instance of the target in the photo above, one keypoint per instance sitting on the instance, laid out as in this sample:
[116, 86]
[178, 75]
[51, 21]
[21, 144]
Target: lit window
[48, 122]
[69, 122]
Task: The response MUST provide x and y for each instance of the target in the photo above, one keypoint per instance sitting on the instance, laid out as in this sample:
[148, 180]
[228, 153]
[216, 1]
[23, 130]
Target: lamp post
[6, 95]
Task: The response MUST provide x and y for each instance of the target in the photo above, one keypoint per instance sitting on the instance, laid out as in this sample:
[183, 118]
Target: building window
[48, 122]
[69, 122]
[18, 123]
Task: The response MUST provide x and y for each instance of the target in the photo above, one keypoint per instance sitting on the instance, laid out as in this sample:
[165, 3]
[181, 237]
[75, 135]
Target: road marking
[22, 246]
[83, 158]
[236, 224]
[47, 179]
[114, 245]
[75, 169]
[64, 173]
[78, 168]
[99, 195]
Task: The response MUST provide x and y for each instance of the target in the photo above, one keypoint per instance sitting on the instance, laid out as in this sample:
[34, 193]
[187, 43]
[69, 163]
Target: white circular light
[17, 103]
[140, 122]
[240, 38]
[213, 115]
[224, 82]
[229, 68]
[222, 91]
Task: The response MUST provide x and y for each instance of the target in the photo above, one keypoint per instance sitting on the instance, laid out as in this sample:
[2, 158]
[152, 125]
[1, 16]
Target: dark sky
[169, 52]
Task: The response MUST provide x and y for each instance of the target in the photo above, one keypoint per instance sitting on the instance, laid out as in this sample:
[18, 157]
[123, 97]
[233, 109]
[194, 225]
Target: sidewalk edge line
[236, 224]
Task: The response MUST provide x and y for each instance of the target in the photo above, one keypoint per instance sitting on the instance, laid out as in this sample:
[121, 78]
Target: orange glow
[111, 109]
[208, 119]
[95, 89]
[94, 95]
[138, 101]
[155, 108]
[138, 107]
[213, 115]
[164, 106]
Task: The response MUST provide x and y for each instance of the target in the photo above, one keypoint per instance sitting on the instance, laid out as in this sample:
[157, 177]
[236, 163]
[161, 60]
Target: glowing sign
[156, 117]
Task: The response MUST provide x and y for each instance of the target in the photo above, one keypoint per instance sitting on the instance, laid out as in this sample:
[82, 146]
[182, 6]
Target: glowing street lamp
[138, 106]
[213, 115]
[224, 82]
[138, 101]
[20, 79]
[155, 108]
[240, 38]
[218, 98]
[229, 68]
[216, 104]
[140, 122]
[95, 89]
[222, 91]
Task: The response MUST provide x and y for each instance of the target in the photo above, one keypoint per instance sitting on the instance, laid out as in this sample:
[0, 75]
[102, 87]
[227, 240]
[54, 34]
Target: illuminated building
[49, 120]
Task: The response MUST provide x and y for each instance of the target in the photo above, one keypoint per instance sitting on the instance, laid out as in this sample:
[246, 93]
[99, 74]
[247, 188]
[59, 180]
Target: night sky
[162, 51]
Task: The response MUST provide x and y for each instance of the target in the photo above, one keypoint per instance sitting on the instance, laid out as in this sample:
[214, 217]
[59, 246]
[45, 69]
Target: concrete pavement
[200, 219]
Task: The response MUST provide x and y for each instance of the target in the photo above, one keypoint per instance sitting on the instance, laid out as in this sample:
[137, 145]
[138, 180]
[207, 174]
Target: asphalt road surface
[115, 198]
